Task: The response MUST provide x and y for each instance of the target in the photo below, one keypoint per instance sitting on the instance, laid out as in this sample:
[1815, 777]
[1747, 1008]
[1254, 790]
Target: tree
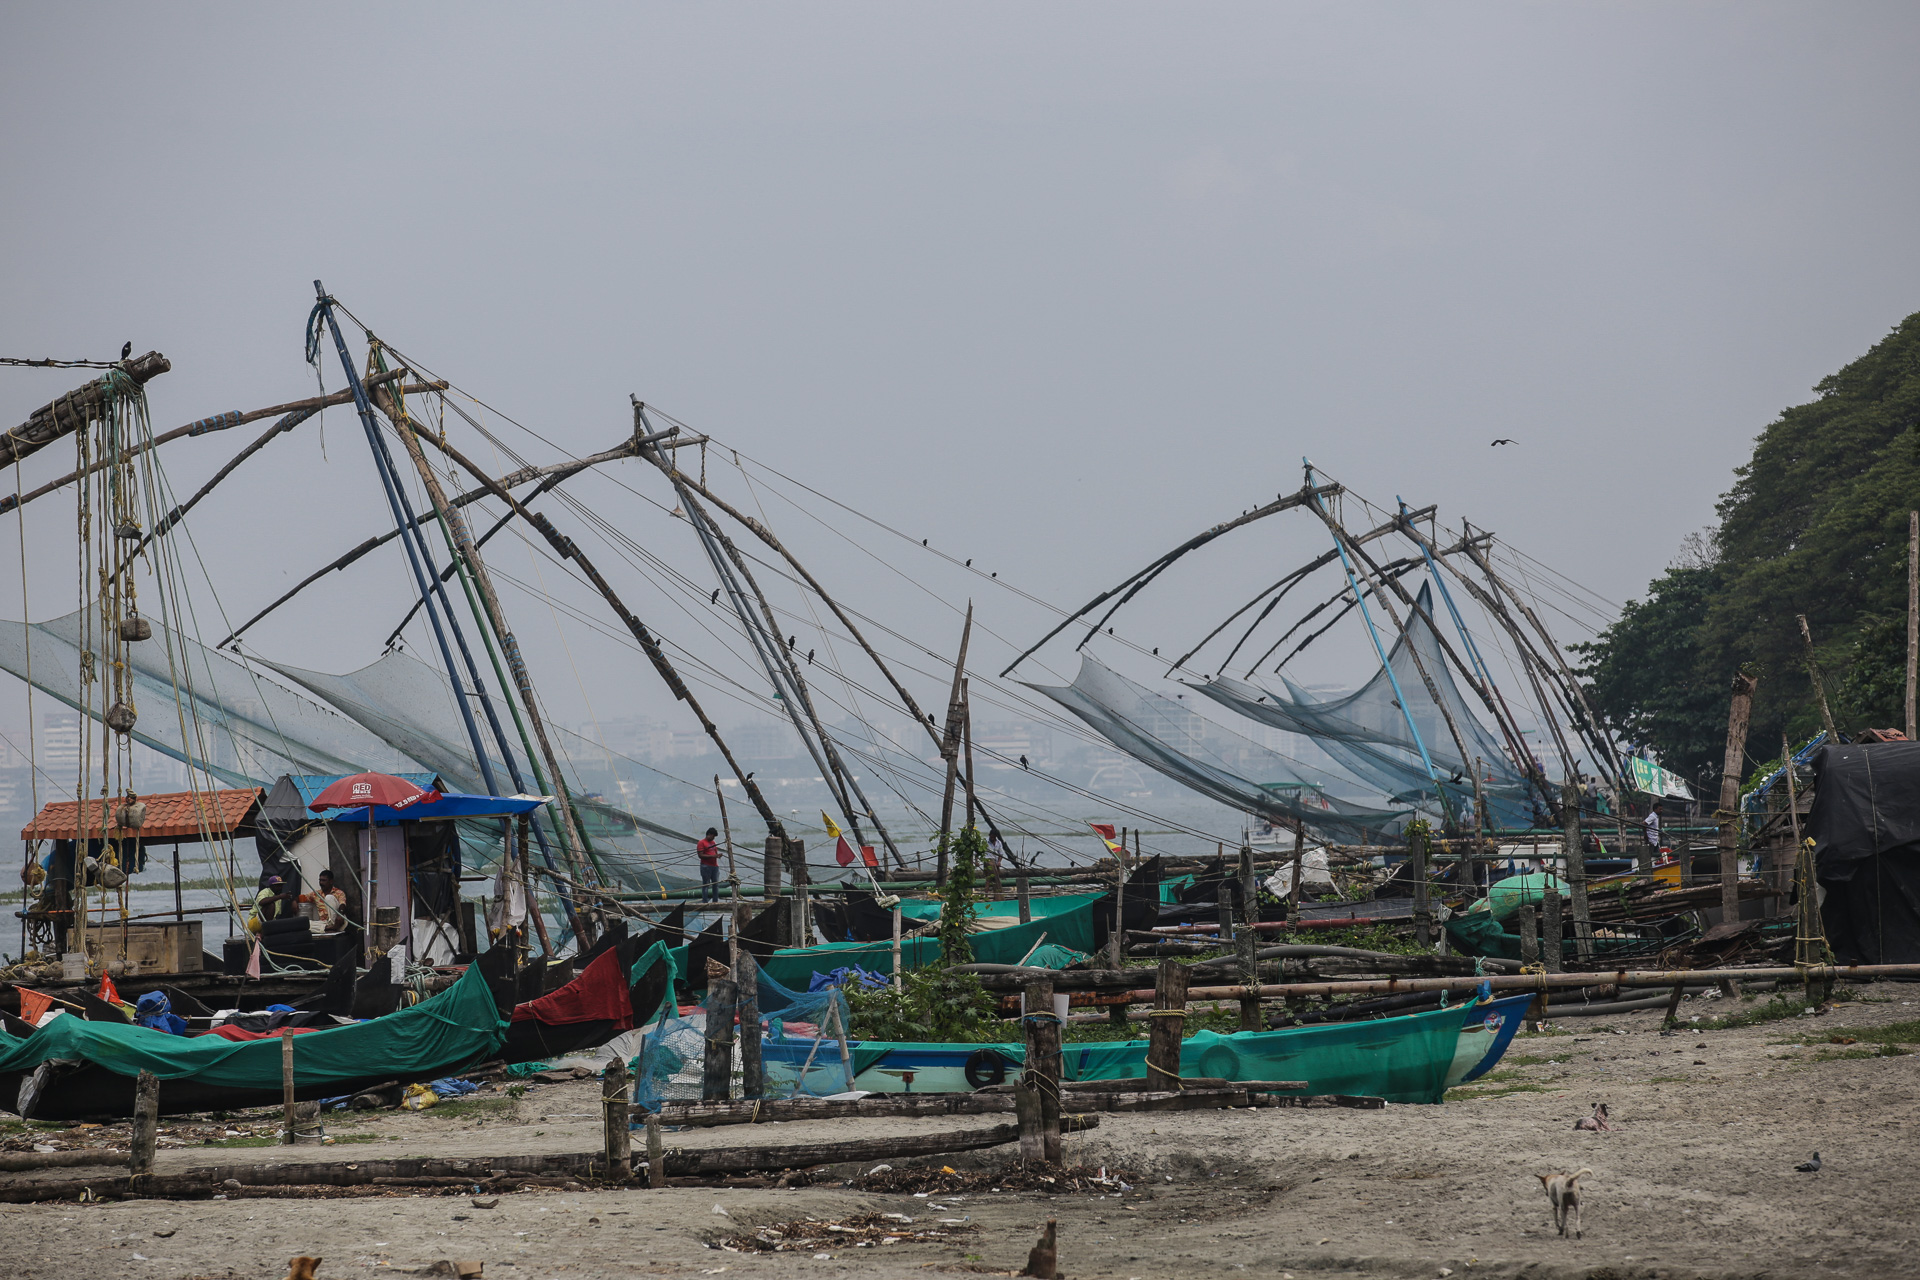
[1815, 524]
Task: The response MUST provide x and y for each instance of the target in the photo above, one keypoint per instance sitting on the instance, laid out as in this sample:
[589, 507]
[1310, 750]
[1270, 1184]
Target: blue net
[804, 1050]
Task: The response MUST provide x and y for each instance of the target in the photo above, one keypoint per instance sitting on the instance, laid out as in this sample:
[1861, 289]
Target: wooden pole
[1577, 872]
[1299, 863]
[966, 741]
[146, 1123]
[1116, 941]
[1819, 686]
[1913, 615]
[1249, 941]
[950, 746]
[746, 976]
[1167, 1030]
[656, 1155]
[523, 828]
[1043, 1062]
[1422, 887]
[1033, 1129]
[726, 832]
[1738, 713]
[617, 1103]
[802, 904]
[1529, 934]
[1553, 934]
[1022, 889]
[288, 1134]
[898, 981]
[723, 997]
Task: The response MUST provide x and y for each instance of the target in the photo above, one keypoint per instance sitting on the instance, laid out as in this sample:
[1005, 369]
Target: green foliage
[966, 854]
[932, 1005]
[1815, 524]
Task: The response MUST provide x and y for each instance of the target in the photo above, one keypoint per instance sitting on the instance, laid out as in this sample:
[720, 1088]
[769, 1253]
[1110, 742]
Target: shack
[1865, 824]
[81, 911]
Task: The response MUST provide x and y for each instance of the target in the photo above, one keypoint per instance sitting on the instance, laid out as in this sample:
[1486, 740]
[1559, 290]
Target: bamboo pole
[1819, 686]
[1739, 710]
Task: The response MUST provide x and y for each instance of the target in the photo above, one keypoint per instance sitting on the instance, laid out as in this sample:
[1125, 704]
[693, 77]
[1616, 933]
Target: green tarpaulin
[443, 1033]
[921, 909]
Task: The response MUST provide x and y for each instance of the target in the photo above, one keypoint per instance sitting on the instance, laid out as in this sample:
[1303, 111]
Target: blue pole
[1373, 633]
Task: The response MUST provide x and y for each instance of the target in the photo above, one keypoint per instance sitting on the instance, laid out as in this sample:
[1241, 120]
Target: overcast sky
[1051, 286]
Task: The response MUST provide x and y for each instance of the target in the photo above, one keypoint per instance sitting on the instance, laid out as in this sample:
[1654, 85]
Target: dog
[1595, 1123]
[1044, 1260]
[302, 1268]
[1563, 1193]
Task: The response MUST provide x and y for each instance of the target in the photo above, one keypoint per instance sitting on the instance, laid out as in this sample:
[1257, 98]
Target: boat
[75, 1069]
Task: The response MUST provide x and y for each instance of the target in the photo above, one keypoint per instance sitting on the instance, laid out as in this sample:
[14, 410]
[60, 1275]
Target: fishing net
[1367, 730]
[1172, 739]
[396, 715]
[804, 1050]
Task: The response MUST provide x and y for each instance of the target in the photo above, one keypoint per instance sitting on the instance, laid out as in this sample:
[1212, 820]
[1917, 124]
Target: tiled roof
[174, 815]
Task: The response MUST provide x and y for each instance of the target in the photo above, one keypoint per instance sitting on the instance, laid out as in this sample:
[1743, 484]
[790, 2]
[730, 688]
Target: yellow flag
[833, 832]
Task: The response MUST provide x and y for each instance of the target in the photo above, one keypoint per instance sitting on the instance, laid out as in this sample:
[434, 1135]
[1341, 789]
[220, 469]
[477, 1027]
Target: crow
[1023, 762]
[810, 657]
[969, 564]
[791, 641]
[1504, 441]
[923, 542]
[126, 350]
[716, 596]
[1156, 653]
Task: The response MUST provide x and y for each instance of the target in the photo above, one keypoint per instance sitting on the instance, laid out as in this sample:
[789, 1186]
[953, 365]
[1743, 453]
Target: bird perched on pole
[126, 350]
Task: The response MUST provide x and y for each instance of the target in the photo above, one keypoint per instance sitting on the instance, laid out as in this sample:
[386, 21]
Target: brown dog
[1595, 1123]
[1044, 1260]
[1563, 1192]
[302, 1268]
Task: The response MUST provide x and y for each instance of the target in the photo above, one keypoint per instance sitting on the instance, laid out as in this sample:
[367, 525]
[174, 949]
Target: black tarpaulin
[1865, 825]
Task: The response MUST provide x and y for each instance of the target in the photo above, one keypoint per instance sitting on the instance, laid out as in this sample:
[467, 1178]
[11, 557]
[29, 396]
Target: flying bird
[126, 350]
[1809, 1166]
[1503, 440]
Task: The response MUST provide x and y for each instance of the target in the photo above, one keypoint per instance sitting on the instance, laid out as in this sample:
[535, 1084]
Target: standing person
[709, 851]
[1653, 828]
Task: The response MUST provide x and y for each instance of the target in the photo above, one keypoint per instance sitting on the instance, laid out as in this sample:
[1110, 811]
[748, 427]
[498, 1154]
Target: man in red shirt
[709, 851]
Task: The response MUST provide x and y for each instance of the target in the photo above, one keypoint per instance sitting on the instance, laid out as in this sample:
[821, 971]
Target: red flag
[843, 852]
[108, 991]
[33, 1006]
[1108, 837]
[866, 856]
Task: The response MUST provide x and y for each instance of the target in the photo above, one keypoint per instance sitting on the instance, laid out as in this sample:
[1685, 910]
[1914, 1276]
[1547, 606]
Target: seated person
[273, 902]
[329, 905]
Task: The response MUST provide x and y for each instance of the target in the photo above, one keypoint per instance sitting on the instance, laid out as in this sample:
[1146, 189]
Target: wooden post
[656, 1155]
[776, 853]
[1422, 888]
[1166, 1031]
[1529, 934]
[1913, 615]
[1673, 1003]
[288, 1134]
[1577, 873]
[899, 982]
[1730, 774]
[1022, 889]
[716, 1083]
[966, 742]
[1249, 942]
[523, 833]
[1026, 1108]
[726, 833]
[146, 1124]
[746, 977]
[1043, 1062]
[1116, 941]
[1299, 861]
[1819, 686]
[1553, 951]
[616, 1102]
[802, 929]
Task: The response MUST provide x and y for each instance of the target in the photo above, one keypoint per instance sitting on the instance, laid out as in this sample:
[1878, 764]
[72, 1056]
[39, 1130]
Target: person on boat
[329, 904]
[709, 851]
[273, 902]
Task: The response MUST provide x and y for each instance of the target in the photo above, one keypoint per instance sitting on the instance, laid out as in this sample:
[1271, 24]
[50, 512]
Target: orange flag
[866, 856]
[33, 1006]
[108, 991]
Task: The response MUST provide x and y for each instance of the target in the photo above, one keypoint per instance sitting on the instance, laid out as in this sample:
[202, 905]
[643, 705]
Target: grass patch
[1877, 1051]
[468, 1108]
[1465, 1094]
[1777, 1009]
[1891, 1034]
[245, 1140]
[1538, 1060]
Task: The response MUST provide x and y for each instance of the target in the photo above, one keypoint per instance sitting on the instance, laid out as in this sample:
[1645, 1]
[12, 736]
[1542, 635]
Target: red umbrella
[363, 789]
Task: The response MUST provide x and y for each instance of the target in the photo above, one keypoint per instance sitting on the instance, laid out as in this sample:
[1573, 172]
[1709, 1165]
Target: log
[805, 1155]
[67, 414]
[31, 1161]
[890, 1106]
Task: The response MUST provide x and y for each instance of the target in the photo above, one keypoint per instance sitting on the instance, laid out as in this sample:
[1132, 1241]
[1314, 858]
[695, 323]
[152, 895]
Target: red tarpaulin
[231, 1032]
[598, 993]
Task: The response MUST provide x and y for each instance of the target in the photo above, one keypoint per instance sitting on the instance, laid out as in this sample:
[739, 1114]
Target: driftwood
[28, 1161]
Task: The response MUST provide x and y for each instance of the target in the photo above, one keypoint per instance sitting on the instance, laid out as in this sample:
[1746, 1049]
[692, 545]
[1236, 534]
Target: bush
[932, 1005]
